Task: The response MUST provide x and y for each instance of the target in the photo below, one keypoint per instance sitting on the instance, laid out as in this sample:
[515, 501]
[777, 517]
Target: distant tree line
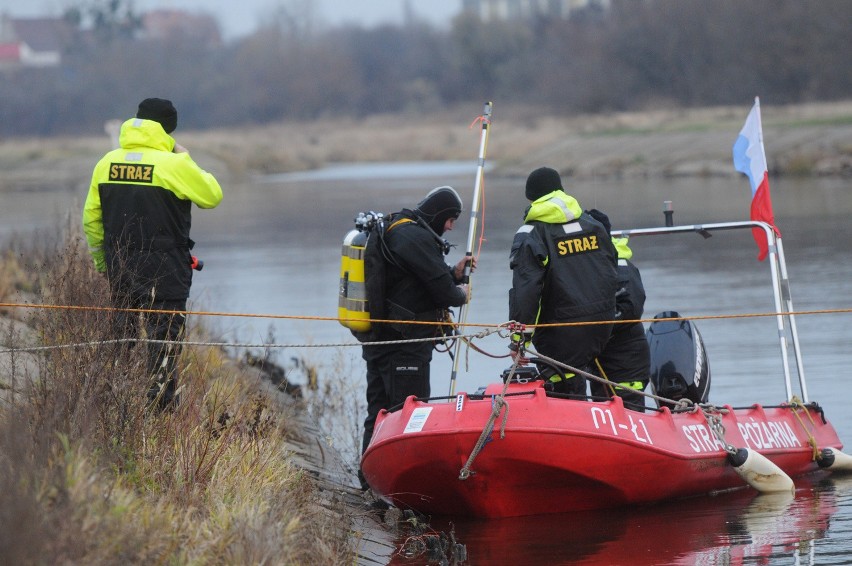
[636, 55]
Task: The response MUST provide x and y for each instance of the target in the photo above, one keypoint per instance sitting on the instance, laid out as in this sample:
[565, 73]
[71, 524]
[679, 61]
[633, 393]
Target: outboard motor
[679, 365]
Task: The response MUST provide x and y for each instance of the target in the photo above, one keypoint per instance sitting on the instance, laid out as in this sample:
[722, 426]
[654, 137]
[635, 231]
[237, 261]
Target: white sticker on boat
[417, 419]
[459, 402]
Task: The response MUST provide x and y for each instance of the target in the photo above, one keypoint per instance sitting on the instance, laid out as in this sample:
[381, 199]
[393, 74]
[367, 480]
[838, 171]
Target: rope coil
[796, 406]
[714, 421]
[497, 404]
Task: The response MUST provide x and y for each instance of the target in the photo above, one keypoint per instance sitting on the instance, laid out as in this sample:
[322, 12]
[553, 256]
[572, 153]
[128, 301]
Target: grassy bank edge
[89, 476]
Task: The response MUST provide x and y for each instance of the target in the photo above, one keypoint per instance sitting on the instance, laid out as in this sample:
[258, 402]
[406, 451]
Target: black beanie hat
[542, 181]
[602, 218]
[159, 110]
[441, 204]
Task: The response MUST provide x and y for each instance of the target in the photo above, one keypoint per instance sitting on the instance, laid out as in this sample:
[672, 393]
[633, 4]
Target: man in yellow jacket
[137, 219]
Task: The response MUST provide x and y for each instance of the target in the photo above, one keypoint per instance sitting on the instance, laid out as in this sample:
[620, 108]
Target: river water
[273, 248]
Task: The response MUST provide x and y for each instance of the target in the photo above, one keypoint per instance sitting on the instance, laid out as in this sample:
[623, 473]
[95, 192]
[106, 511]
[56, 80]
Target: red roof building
[33, 42]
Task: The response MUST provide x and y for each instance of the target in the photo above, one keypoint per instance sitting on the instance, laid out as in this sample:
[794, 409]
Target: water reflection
[732, 528]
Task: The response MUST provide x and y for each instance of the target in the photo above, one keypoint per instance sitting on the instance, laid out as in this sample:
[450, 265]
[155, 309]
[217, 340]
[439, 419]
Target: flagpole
[779, 270]
[788, 299]
[485, 118]
[775, 269]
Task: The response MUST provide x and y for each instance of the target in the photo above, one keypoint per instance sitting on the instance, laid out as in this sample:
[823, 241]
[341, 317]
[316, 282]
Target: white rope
[245, 345]
[497, 405]
[679, 404]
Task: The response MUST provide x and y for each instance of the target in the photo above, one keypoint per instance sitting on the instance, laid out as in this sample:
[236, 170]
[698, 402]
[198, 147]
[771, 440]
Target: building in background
[42, 42]
[33, 42]
[488, 10]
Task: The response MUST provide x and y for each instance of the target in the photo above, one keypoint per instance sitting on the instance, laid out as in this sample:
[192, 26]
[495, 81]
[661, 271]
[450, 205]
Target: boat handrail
[780, 284]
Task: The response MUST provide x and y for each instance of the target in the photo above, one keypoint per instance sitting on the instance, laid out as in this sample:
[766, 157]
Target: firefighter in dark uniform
[626, 359]
[137, 219]
[563, 270]
[419, 286]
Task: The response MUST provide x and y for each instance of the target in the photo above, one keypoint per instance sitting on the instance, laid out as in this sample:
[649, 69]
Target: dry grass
[14, 278]
[89, 476]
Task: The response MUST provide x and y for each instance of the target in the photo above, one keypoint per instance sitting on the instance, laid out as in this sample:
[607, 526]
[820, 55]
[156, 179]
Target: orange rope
[476, 120]
[482, 222]
[797, 406]
[481, 325]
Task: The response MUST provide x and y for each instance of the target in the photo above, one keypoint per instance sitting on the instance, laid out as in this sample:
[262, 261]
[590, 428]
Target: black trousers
[393, 373]
[576, 346]
[625, 359]
[162, 359]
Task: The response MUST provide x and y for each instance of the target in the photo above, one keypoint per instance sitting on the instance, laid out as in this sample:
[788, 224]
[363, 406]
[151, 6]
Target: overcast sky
[239, 17]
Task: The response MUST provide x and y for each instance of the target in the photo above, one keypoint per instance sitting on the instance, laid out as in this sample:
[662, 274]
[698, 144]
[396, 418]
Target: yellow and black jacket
[137, 215]
[630, 297]
[563, 265]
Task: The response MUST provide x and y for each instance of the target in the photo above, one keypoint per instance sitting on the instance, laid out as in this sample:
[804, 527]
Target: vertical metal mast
[471, 233]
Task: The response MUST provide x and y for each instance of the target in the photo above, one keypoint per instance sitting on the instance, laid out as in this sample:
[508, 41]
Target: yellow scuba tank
[352, 306]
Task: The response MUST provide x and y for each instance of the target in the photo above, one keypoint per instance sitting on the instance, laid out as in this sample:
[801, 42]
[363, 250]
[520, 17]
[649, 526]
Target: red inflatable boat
[556, 455]
[517, 449]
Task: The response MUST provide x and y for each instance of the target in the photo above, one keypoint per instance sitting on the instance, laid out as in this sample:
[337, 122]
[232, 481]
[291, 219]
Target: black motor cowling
[679, 365]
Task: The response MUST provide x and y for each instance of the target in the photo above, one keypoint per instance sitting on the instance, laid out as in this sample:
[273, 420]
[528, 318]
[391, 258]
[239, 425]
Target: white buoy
[835, 460]
[760, 472]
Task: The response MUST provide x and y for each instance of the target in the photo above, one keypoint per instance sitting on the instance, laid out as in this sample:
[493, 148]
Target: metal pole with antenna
[471, 233]
[668, 212]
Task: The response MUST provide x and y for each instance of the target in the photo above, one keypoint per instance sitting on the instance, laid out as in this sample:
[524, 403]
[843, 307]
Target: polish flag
[749, 158]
